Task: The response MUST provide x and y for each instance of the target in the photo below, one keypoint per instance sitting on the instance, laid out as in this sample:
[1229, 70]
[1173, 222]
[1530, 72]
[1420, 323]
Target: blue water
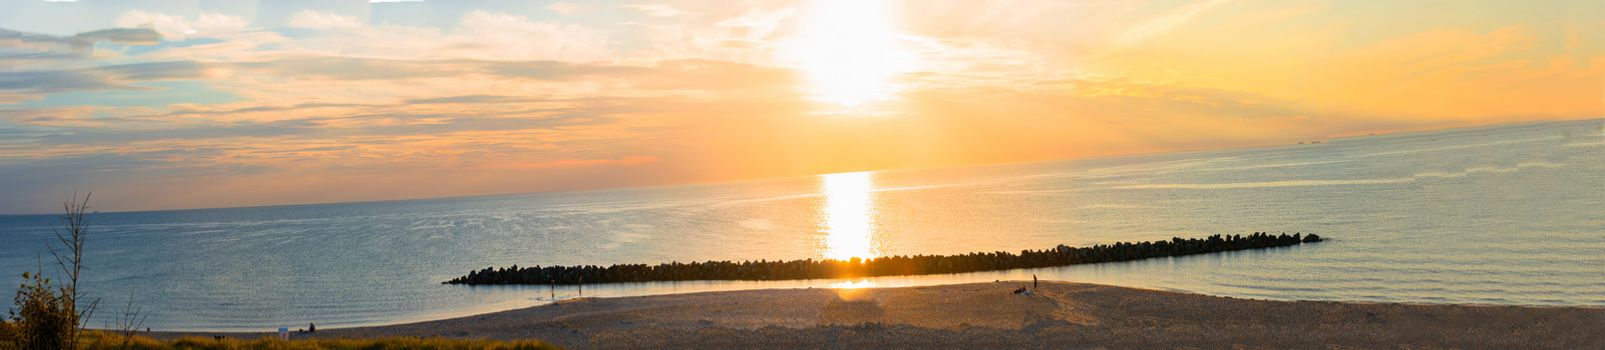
[1500, 215]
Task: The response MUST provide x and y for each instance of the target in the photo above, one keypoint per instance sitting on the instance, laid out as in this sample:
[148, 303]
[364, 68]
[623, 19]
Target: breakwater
[881, 266]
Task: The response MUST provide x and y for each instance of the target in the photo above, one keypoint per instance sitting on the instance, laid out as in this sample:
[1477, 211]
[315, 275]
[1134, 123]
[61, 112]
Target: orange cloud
[571, 163]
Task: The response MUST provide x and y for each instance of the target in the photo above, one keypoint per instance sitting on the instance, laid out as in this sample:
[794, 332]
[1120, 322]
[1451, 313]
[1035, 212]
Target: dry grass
[106, 340]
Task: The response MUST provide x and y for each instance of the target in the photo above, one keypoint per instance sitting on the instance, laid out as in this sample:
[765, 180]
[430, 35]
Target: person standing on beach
[1033, 281]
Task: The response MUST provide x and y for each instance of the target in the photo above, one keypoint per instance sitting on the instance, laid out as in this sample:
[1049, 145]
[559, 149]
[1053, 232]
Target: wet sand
[987, 315]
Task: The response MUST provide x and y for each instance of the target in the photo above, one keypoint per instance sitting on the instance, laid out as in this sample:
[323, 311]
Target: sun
[849, 51]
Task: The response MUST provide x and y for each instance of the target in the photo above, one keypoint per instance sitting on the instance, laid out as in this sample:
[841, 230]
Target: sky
[215, 103]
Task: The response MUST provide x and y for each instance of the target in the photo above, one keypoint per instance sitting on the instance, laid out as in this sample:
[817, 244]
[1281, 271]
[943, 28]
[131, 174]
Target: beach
[802, 174]
[1052, 315]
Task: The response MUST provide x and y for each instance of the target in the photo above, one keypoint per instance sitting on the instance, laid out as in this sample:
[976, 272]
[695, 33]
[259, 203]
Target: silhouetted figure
[312, 328]
[1033, 281]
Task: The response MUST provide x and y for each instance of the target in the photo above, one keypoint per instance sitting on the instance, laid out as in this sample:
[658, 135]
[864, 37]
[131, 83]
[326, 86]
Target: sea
[1505, 215]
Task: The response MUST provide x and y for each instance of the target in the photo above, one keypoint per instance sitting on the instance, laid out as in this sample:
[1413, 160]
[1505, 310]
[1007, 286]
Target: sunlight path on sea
[849, 215]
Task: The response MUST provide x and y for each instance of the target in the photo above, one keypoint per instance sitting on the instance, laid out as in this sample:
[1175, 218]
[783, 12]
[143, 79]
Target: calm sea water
[1503, 215]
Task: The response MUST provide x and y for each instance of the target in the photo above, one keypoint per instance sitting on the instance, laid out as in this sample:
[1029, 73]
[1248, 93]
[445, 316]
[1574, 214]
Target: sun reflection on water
[853, 284]
[849, 215]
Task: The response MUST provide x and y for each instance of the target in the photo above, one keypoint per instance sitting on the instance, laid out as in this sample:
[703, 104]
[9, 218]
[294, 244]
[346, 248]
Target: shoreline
[1056, 314]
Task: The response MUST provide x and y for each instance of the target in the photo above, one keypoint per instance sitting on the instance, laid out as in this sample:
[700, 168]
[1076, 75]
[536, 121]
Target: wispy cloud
[1167, 21]
[310, 19]
[657, 10]
[122, 76]
[18, 46]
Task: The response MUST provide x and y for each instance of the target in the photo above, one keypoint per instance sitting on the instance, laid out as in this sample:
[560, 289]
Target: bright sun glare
[849, 215]
[849, 51]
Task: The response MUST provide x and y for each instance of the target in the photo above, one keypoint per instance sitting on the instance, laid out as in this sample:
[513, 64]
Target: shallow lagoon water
[1499, 215]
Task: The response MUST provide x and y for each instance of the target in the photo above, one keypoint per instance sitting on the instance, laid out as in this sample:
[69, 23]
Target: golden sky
[187, 104]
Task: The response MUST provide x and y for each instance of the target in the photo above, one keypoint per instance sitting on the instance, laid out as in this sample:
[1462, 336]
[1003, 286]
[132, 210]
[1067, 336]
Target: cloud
[687, 74]
[495, 98]
[107, 77]
[153, 71]
[758, 23]
[28, 46]
[464, 99]
[169, 25]
[572, 163]
[55, 81]
[1166, 22]
[347, 68]
[25, 46]
[125, 36]
[505, 35]
[309, 19]
[175, 27]
[657, 10]
[565, 8]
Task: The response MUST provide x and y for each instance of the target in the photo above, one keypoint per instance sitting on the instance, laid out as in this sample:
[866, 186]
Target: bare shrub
[46, 316]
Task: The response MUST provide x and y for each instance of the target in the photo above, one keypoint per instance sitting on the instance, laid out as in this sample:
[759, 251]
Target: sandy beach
[1055, 315]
